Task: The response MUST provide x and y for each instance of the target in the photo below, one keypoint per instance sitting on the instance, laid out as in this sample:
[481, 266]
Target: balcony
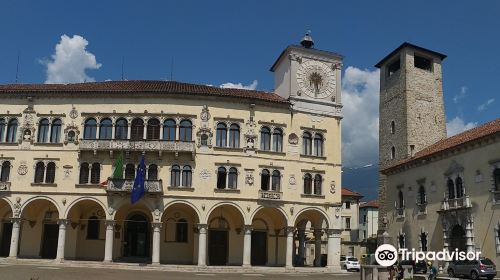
[4, 186]
[456, 203]
[136, 146]
[270, 195]
[400, 213]
[496, 196]
[422, 208]
[125, 186]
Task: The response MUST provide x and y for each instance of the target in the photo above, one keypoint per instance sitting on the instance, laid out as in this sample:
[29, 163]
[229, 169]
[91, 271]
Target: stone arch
[126, 202]
[227, 203]
[7, 201]
[33, 199]
[183, 202]
[312, 213]
[283, 212]
[81, 199]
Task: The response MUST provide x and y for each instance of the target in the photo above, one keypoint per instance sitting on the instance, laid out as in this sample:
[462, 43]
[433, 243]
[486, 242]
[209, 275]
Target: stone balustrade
[123, 185]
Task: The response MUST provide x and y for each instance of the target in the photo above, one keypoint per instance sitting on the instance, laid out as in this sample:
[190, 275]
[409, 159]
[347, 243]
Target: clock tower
[309, 78]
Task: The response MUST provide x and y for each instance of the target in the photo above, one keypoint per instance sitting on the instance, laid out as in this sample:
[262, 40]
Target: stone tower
[411, 106]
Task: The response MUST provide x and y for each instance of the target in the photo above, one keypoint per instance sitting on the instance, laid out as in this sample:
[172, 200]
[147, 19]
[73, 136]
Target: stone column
[289, 246]
[202, 244]
[156, 243]
[302, 240]
[145, 131]
[61, 240]
[469, 234]
[333, 261]
[129, 130]
[161, 131]
[14, 239]
[247, 245]
[317, 247]
[113, 127]
[108, 248]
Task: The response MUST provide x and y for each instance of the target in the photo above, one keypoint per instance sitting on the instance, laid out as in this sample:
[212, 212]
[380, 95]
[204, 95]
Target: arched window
[93, 228]
[318, 180]
[105, 129]
[153, 172]
[422, 196]
[169, 128]
[496, 178]
[393, 152]
[90, 129]
[129, 171]
[43, 131]
[459, 186]
[185, 130]
[121, 129]
[187, 176]
[233, 178]
[153, 132]
[451, 188]
[401, 202]
[423, 241]
[234, 136]
[264, 180]
[5, 173]
[11, 131]
[181, 231]
[265, 138]
[278, 140]
[220, 137]
[137, 129]
[221, 178]
[318, 145]
[175, 176]
[307, 183]
[276, 181]
[307, 143]
[2, 129]
[39, 172]
[84, 173]
[95, 176]
[393, 127]
[55, 131]
[50, 173]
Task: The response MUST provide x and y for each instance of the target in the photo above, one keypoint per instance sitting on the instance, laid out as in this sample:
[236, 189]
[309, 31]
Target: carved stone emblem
[205, 114]
[332, 187]
[293, 139]
[292, 181]
[249, 180]
[205, 174]
[73, 113]
[22, 169]
[250, 134]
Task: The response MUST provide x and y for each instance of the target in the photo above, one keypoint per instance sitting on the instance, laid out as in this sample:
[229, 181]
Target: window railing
[456, 203]
[400, 212]
[270, 195]
[123, 185]
[139, 145]
[4, 186]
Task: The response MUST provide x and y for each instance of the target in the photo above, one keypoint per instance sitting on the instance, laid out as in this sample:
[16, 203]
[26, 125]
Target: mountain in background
[362, 179]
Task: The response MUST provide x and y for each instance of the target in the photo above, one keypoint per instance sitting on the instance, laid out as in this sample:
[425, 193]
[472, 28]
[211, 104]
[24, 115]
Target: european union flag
[138, 188]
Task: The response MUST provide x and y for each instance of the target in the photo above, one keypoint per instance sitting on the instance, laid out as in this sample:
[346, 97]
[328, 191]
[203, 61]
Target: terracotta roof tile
[369, 204]
[142, 86]
[348, 192]
[449, 143]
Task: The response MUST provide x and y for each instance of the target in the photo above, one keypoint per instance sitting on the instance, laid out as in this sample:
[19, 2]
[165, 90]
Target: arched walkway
[5, 227]
[268, 237]
[179, 238]
[85, 232]
[310, 243]
[40, 230]
[226, 227]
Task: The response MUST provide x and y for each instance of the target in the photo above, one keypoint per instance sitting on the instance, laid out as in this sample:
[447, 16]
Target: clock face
[316, 79]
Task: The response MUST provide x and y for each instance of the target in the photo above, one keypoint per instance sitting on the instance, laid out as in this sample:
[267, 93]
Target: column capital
[157, 225]
[247, 229]
[202, 228]
[63, 222]
[290, 230]
[16, 220]
[110, 223]
[333, 232]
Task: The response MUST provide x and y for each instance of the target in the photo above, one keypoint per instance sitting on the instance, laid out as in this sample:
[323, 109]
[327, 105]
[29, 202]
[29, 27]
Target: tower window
[393, 127]
[393, 67]
[423, 63]
[393, 152]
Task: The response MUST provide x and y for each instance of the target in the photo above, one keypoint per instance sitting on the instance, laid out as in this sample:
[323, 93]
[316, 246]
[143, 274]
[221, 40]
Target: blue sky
[216, 42]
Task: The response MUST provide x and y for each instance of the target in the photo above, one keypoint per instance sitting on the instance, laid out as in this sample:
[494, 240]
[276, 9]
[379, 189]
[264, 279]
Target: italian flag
[117, 172]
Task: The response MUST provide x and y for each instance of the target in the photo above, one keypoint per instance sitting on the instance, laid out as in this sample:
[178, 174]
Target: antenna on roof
[123, 63]
[172, 69]
[17, 67]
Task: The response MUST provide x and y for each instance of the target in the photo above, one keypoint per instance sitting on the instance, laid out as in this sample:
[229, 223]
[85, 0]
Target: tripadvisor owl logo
[386, 255]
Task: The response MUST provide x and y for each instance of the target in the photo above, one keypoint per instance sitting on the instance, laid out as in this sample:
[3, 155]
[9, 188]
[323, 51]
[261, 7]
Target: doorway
[259, 248]
[49, 241]
[218, 241]
[136, 237]
[458, 239]
[6, 236]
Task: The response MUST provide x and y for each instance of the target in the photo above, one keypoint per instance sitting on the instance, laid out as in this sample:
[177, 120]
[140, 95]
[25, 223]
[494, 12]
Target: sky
[234, 43]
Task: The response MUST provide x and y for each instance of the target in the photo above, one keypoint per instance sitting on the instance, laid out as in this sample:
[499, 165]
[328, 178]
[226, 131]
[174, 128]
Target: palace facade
[233, 177]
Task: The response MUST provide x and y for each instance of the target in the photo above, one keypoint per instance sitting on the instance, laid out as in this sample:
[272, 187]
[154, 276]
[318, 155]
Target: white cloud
[457, 125]
[70, 61]
[251, 86]
[360, 97]
[483, 106]
[461, 95]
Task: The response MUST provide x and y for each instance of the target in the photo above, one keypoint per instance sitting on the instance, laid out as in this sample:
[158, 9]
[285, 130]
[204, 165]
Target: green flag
[118, 172]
